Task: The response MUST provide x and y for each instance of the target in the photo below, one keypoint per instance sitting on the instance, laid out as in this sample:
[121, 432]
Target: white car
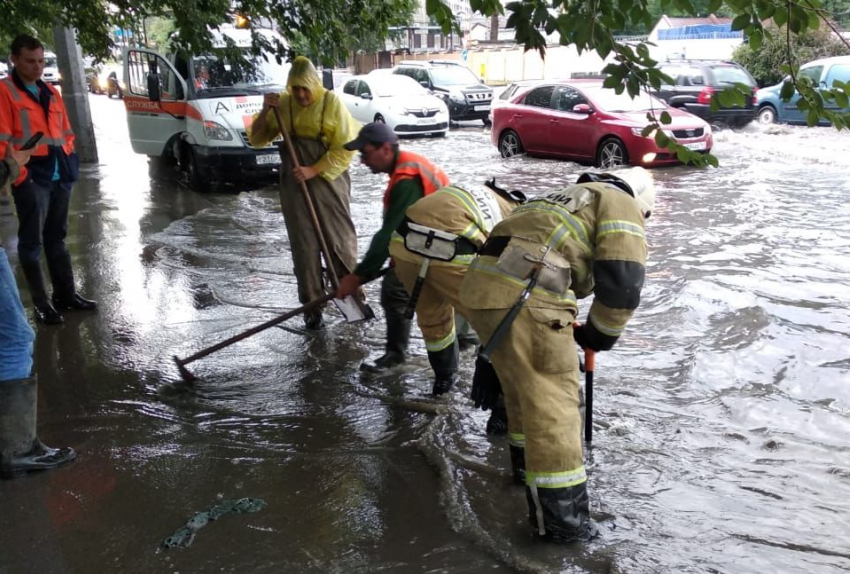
[398, 101]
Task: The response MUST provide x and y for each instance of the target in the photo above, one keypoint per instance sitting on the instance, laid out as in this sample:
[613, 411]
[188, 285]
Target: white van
[51, 69]
[195, 110]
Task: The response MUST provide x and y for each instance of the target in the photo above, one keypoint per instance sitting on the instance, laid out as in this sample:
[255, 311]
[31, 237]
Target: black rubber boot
[394, 302]
[313, 320]
[561, 515]
[444, 364]
[518, 463]
[44, 311]
[20, 449]
[65, 296]
[497, 424]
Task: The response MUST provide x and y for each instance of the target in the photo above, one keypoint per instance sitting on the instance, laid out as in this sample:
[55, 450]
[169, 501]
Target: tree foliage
[329, 29]
[765, 63]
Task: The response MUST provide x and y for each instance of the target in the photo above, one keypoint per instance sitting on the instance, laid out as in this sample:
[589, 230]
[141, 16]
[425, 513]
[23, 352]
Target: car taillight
[755, 92]
[704, 96]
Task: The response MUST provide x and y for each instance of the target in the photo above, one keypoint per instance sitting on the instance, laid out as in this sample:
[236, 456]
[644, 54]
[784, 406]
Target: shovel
[188, 377]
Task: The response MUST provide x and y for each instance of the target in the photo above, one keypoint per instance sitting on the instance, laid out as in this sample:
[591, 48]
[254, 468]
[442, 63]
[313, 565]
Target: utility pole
[75, 92]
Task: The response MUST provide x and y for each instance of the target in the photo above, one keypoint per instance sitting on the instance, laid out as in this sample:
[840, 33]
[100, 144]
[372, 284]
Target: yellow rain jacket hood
[304, 74]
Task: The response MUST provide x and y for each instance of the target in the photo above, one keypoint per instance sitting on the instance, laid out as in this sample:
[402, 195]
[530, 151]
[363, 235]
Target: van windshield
[50, 61]
[211, 73]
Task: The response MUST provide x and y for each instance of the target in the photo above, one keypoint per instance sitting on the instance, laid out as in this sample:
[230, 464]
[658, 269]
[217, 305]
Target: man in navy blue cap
[412, 177]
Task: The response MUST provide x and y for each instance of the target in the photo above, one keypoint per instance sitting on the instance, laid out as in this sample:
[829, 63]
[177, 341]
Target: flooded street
[722, 416]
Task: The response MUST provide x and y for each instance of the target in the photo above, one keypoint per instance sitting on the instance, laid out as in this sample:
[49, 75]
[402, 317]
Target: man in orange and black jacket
[42, 191]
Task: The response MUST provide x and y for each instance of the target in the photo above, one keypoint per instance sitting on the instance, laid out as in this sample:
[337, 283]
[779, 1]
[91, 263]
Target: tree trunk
[494, 28]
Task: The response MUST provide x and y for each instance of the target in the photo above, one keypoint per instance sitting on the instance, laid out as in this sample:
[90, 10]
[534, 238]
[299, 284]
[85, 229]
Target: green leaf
[610, 82]
[787, 91]
[648, 131]
[661, 139]
[756, 39]
[812, 118]
[740, 22]
[765, 10]
[665, 118]
[781, 16]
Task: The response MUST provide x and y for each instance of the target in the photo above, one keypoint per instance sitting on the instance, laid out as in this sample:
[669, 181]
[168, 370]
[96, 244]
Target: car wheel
[510, 144]
[379, 119]
[189, 164]
[767, 115]
[612, 153]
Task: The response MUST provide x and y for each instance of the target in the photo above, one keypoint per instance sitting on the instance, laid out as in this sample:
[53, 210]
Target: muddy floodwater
[722, 418]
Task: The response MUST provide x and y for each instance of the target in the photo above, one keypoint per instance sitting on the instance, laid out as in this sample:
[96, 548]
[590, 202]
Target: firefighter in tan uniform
[559, 247]
[432, 249]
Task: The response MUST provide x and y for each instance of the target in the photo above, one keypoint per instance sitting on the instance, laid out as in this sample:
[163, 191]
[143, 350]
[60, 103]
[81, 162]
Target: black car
[467, 97]
[697, 82]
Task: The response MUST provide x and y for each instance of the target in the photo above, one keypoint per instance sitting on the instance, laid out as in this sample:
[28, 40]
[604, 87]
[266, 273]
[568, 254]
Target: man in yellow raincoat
[560, 246]
[319, 125]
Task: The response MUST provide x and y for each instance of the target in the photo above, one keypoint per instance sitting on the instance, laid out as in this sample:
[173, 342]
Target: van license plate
[696, 146]
[270, 159]
[482, 108]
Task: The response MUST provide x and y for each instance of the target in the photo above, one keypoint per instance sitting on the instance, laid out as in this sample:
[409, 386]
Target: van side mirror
[366, 96]
[425, 84]
[153, 87]
[582, 109]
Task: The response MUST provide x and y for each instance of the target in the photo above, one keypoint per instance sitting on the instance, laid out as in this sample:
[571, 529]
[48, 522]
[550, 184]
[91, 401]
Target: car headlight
[216, 131]
[458, 98]
[639, 132]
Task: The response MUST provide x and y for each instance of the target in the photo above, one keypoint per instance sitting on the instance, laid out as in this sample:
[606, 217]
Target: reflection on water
[722, 415]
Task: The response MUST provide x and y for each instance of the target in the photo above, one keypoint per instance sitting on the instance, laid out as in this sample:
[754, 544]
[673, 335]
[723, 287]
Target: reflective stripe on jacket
[22, 115]
[409, 165]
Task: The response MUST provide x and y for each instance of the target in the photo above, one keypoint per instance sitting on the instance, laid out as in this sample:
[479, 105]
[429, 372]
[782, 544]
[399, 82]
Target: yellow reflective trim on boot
[444, 343]
[556, 479]
[516, 439]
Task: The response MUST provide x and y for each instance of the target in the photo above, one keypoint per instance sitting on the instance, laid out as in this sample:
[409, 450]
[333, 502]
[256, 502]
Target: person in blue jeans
[20, 449]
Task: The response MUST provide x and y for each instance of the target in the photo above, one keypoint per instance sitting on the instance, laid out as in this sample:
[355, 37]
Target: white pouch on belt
[430, 243]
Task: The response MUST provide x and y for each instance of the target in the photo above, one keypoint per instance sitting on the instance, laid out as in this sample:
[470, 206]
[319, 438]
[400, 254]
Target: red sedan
[582, 121]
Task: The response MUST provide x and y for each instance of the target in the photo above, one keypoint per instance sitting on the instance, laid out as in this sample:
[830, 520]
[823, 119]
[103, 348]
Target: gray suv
[697, 82]
[467, 97]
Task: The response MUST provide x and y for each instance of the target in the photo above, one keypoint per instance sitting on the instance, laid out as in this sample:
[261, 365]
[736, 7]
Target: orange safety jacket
[22, 115]
[409, 165]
